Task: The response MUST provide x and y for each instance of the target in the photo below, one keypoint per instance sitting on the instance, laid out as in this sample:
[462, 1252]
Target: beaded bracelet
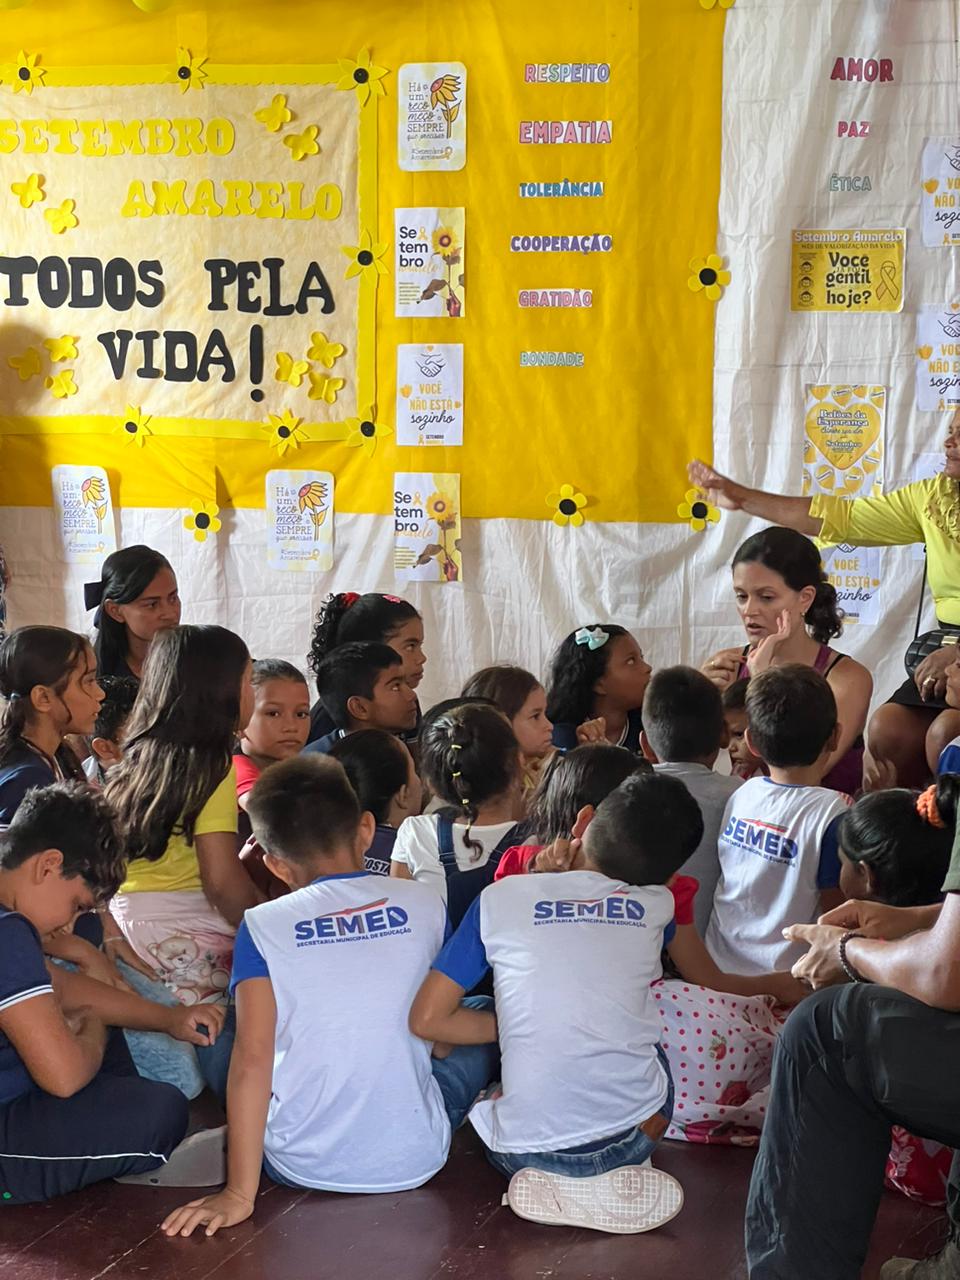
[845, 965]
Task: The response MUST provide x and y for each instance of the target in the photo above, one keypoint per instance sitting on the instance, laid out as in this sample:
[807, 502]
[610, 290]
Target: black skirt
[908, 695]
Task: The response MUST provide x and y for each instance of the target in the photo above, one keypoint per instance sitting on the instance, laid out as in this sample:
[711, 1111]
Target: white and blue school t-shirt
[23, 976]
[778, 849]
[949, 761]
[573, 955]
[354, 1105]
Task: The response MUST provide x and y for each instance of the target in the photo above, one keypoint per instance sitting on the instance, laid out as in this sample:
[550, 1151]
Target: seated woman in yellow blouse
[907, 733]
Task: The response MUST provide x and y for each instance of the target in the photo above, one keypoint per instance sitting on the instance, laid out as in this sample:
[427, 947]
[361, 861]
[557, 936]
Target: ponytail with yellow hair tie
[927, 807]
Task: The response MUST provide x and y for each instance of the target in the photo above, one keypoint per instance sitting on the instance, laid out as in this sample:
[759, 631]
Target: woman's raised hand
[720, 490]
[761, 658]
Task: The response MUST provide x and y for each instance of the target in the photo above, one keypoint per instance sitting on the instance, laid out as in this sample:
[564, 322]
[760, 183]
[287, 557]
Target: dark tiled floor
[454, 1227]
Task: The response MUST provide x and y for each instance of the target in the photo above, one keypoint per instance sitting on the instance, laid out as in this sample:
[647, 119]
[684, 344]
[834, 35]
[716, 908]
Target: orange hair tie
[927, 807]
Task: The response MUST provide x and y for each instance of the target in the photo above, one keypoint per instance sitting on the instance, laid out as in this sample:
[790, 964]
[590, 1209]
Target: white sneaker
[623, 1201]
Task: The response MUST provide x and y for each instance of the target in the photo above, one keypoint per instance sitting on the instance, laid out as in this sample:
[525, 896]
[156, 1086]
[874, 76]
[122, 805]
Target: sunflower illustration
[311, 498]
[285, 431]
[362, 76]
[708, 274]
[441, 509]
[366, 258]
[203, 520]
[134, 426]
[697, 511]
[567, 503]
[364, 432]
[443, 94]
[189, 72]
[25, 73]
[93, 491]
[445, 245]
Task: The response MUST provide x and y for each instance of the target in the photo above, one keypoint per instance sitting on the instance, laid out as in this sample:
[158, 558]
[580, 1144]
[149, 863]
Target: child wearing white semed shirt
[779, 857]
[325, 1064]
[586, 1090]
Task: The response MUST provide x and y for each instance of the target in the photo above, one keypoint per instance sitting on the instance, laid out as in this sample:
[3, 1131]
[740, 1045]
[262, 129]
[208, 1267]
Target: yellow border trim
[103, 425]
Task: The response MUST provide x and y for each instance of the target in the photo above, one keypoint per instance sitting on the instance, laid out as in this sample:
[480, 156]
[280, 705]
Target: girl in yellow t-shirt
[175, 793]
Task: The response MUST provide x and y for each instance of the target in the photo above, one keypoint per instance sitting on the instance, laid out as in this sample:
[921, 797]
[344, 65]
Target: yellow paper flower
[30, 191]
[25, 74]
[567, 503]
[92, 491]
[445, 244]
[64, 348]
[697, 510]
[303, 144]
[284, 431]
[134, 426]
[204, 520]
[362, 76]
[326, 353]
[62, 384]
[325, 388]
[444, 90]
[365, 257]
[28, 365]
[365, 431]
[276, 115]
[63, 218]
[190, 73]
[312, 496]
[709, 275]
[714, 4]
[290, 370]
[441, 509]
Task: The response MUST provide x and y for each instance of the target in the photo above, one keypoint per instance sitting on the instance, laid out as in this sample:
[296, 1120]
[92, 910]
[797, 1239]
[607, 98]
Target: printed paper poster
[84, 507]
[856, 574]
[432, 116]
[426, 522]
[430, 393]
[938, 358]
[300, 520]
[429, 265]
[843, 438]
[940, 192]
[853, 271]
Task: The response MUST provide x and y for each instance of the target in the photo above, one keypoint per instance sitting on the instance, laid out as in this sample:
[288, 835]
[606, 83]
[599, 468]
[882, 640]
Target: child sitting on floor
[381, 771]
[778, 848]
[743, 763]
[471, 760]
[336, 1096]
[72, 1108]
[682, 736]
[384, 619]
[279, 725]
[586, 1090]
[523, 700]
[119, 695]
[362, 686]
[595, 691]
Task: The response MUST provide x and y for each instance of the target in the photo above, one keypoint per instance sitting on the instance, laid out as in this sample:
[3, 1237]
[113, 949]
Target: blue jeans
[630, 1147]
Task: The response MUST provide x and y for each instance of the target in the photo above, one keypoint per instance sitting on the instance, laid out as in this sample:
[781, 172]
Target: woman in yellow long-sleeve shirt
[908, 732]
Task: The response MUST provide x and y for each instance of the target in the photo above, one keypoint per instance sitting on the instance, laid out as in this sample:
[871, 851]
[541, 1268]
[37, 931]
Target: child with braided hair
[471, 760]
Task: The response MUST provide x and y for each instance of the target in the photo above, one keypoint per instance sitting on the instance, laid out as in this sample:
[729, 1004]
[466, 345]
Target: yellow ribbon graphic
[888, 275]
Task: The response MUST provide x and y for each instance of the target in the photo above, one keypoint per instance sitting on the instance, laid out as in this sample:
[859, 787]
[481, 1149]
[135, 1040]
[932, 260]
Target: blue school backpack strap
[464, 886]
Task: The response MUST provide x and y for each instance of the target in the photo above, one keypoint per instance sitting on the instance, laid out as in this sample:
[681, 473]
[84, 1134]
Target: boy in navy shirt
[362, 686]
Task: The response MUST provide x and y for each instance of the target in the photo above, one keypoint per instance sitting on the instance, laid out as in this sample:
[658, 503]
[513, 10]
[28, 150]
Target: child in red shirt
[279, 725]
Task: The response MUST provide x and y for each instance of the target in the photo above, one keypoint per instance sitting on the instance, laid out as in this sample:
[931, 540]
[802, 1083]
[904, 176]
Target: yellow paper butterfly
[323, 387]
[303, 144]
[62, 384]
[30, 191]
[61, 219]
[276, 115]
[27, 365]
[64, 348]
[323, 351]
[290, 370]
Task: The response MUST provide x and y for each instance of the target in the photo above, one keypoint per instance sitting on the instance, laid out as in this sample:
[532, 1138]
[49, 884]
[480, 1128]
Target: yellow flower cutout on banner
[290, 370]
[204, 520]
[567, 504]
[366, 257]
[364, 432]
[134, 428]
[697, 511]
[709, 275]
[284, 431]
[717, 4]
[25, 73]
[276, 115]
[28, 365]
[326, 353]
[303, 144]
[62, 384]
[63, 218]
[30, 191]
[64, 348]
[362, 75]
[325, 388]
[190, 73]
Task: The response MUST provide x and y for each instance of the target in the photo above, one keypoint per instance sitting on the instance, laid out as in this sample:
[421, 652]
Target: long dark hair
[348, 616]
[376, 763]
[798, 562]
[125, 576]
[30, 656]
[584, 776]
[469, 755]
[179, 738]
[574, 671]
[506, 686]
